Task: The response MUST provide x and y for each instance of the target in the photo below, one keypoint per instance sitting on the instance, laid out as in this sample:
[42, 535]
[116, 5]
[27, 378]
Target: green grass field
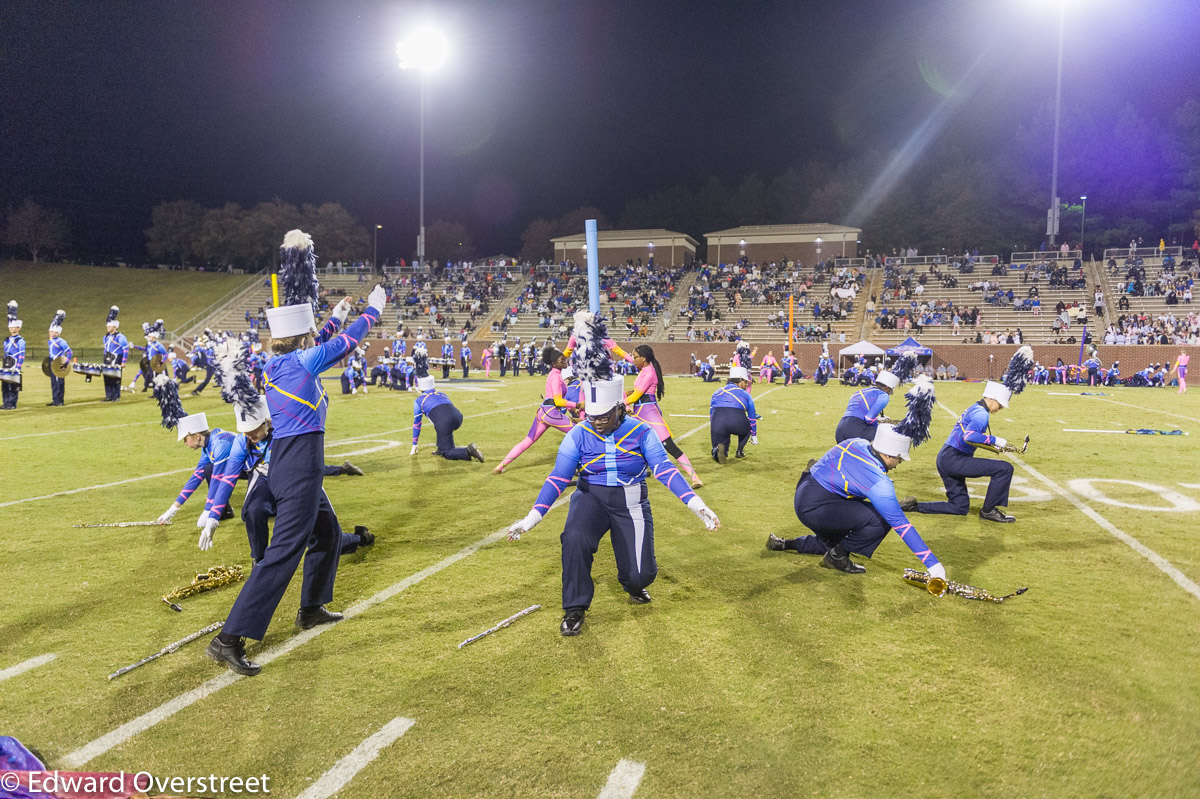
[752, 673]
[87, 292]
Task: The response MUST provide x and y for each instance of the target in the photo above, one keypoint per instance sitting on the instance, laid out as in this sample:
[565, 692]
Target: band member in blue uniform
[153, 348]
[180, 368]
[440, 410]
[203, 357]
[193, 430]
[1113, 377]
[708, 370]
[379, 372]
[352, 377]
[825, 367]
[731, 412]
[866, 405]
[116, 353]
[59, 348]
[14, 358]
[305, 526]
[956, 461]
[848, 501]
[464, 358]
[447, 358]
[612, 455]
[1093, 364]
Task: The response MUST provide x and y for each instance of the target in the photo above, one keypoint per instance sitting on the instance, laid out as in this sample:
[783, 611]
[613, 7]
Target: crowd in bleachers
[1161, 329]
[1173, 282]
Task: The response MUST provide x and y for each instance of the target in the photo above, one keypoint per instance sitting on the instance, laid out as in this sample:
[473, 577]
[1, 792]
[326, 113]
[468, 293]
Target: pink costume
[642, 403]
[486, 358]
[550, 414]
[1181, 365]
[768, 369]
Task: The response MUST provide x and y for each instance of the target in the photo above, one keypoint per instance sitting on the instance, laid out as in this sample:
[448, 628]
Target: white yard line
[92, 488]
[75, 430]
[1078, 430]
[623, 780]
[689, 415]
[120, 735]
[348, 767]
[1127, 405]
[1149, 554]
[21, 668]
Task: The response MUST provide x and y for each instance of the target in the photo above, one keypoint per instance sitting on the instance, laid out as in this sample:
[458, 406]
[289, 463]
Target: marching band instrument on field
[168, 649]
[60, 367]
[939, 587]
[155, 364]
[1014, 448]
[89, 369]
[154, 523]
[501, 625]
[10, 376]
[9, 362]
[213, 578]
[111, 371]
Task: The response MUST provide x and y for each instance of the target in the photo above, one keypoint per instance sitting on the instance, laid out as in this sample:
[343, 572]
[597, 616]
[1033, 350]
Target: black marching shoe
[308, 618]
[365, 537]
[572, 622]
[351, 469]
[841, 562]
[996, 515]
[232, 655]
[474, 452]
[908, 504]
[640, 597]
[775, 543]
[740, 454]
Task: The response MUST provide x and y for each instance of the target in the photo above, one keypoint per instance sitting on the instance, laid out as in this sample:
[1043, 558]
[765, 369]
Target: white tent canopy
[861, 348]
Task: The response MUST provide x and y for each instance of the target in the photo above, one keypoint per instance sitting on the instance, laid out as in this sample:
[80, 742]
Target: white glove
[377, 298]
[524, 526]
[937, 570]
[754, 440]
[203, 519]
[413, 451]
[168, 515]
[206, 536]
[1001, 442]
[704, 513]
[342, 310]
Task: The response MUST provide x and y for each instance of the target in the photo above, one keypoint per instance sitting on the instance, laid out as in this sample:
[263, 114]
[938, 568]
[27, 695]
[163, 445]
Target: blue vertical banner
[593, 266]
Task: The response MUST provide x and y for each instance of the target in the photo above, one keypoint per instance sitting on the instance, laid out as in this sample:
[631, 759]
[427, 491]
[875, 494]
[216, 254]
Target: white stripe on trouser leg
[633, 502]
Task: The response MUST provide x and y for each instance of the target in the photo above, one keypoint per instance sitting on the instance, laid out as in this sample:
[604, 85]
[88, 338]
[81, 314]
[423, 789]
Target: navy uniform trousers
[208, 373]
[10, 391]
[593, 511]
[955, 468]
[728, 422]
[853, 427]
[834, 519]
[112, 389]
[258, 508]
[305, 527]
[446, 419]
[57, 386]
[822, 378]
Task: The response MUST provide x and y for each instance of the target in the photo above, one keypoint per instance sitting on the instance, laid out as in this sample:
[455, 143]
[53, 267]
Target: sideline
[1137, 546]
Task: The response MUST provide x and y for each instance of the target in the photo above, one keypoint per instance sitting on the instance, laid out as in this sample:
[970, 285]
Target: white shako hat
[252, 419]
[888, 379]
[738, 373]
[600, 389]
[889, 442]
[997, 392]
[298, 286]
[192, 423]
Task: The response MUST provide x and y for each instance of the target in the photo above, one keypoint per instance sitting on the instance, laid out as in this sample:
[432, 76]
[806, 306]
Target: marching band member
[848, 501]
[14, 357]
[1180, 369]
[824, 367]
[152, 348]
[769, 368]
[305, 526]
[203, 357]
[179, 367]
[352, 376]
[447, 357]
[743, 356]
[551, 413]
[485, 360]
[789, 368]
[379, 372]
[956, 461]
[464, 358]
[708, 369]
[1113, 378]
[642, 404]
[440, 410]
[59, 348]
[193, 430]
[612, 454]
[866, 405]
[1092, 364]
[116, 353]
[732, 412]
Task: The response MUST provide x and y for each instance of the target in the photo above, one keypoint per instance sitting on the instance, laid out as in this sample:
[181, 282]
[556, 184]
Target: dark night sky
[111, 107]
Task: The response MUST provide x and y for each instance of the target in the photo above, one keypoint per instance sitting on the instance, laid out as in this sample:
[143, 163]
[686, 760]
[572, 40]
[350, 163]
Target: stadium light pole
[375, 255]
[424, 50]
[1052, 216]
[1082, 219]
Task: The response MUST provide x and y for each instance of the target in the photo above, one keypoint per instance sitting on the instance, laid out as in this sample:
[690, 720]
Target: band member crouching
[731, 412]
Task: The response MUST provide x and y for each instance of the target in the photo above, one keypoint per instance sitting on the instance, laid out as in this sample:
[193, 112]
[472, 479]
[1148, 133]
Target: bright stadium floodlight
[424, 50]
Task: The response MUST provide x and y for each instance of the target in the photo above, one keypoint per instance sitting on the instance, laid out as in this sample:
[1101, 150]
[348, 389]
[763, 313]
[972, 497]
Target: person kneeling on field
[731, 412]
[440, 410]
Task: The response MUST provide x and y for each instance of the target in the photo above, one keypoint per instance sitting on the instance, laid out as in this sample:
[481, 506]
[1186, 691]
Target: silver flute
[168, 649]
[501, 625]
[123, 524]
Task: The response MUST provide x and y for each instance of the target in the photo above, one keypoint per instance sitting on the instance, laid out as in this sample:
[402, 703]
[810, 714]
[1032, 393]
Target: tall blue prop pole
[593, 264]
[1082, 339]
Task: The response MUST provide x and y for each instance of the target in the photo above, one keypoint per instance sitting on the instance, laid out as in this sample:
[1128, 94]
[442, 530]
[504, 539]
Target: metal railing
[189, 327]
[1048, 255]
[1121, 253]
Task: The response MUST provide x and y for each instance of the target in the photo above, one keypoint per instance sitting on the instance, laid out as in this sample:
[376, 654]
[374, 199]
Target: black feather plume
[590, 359]
[743, 354]
[903, 367]
[12, 312]
[298, 270]
[920, 400]
[59, 316]
[166, 392]
[1018, 370]
[112, 314]
[420, 358]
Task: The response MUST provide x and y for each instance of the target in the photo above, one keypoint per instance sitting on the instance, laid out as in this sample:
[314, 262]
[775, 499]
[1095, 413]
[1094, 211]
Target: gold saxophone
[213, 578]
[939, 587]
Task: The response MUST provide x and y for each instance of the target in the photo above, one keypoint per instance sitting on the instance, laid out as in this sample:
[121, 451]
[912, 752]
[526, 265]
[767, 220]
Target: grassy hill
[87, 292]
